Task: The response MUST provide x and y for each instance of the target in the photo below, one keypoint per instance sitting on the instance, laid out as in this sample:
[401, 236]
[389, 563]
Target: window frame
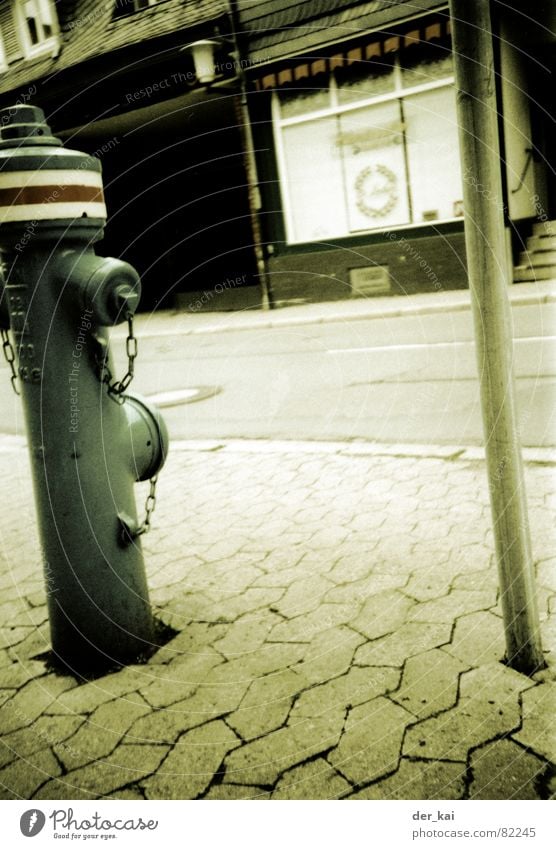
[3, 57]
[45, 45]
[399, 93]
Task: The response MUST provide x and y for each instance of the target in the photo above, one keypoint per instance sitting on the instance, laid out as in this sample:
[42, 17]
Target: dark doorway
[177, 198]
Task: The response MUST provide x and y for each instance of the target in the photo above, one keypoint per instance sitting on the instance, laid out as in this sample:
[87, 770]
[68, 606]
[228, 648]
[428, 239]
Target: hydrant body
[86, 444]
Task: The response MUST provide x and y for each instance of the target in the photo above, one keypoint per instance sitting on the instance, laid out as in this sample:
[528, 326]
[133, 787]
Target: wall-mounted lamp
[203, 59]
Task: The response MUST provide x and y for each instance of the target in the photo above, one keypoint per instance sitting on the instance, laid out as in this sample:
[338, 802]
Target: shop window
[128, 7]
[377, 149]
[38, 26]
[300, 102]
[368, 80]
[425, 64]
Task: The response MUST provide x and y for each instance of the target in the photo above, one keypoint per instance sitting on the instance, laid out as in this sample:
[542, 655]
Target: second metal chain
[116, 388]
[9, 354]
[150, 505]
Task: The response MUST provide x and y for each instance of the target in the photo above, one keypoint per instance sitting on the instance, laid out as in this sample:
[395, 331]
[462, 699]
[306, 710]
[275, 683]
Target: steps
[538, 262]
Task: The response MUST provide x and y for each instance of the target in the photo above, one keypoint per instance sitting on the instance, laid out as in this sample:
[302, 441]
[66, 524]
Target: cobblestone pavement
[339, 636]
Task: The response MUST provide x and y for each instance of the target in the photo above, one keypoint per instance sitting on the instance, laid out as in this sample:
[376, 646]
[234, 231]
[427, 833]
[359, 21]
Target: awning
[372, 47]
[306, 27]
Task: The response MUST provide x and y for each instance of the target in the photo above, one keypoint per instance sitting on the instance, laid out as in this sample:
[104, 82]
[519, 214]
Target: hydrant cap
[42, 181]
[24, 125]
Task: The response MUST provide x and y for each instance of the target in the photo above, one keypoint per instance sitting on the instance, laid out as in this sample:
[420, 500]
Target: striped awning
[372, 47]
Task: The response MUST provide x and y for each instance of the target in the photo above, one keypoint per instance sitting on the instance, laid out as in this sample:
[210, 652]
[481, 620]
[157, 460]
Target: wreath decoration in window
[376, 191]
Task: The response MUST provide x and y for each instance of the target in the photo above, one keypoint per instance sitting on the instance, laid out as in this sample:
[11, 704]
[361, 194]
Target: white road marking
[418, 345]
[175, 396]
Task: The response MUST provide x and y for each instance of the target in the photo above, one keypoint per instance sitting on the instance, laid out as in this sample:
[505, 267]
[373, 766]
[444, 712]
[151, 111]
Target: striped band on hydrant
[51, 194]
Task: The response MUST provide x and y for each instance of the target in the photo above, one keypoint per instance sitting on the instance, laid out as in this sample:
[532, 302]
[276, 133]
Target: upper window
[128, 7]
[38, 26]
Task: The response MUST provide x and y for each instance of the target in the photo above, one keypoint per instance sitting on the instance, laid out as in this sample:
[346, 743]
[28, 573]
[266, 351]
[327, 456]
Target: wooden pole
[488, 280]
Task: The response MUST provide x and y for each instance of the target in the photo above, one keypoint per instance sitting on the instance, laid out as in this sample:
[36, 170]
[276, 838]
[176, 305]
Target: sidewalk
[339, 637]
[167, 322]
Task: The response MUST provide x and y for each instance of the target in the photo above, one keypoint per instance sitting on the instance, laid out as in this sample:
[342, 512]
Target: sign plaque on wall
[370, 280]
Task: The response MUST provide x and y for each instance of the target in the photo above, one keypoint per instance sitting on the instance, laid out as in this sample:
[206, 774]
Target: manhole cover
[175, 397]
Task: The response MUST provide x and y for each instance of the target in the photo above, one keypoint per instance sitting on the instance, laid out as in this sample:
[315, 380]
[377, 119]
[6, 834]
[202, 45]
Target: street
[404, 379]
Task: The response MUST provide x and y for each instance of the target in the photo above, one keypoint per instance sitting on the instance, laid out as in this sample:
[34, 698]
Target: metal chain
[116, 388]
[150, 505]
[9, 355]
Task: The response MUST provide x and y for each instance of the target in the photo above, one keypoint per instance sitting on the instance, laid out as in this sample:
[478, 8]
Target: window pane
[365, 80]
[33, 32]
[39, 17]
[293, 103]
[371, 141]
[433, 154]
[425, 64]
[45, 8]
[313, 181]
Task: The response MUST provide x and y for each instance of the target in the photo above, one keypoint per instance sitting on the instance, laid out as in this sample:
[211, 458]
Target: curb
[277, 321]
[461, 453]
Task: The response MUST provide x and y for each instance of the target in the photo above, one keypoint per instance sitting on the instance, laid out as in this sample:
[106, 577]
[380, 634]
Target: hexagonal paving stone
[262, 761]
[234, 792]
[329, 654]
[313, 780]
[45, 732]
[100, 733]
[426, 584]
[430, 683]
[180, 678]
[478, 638]
[455, 604]
[538, 731]
[101, 778]
[32, 700]
[303, 596]
[359, 685]
[190, 767]
[488, 706]
[504, 770]
[411, 639]
[546, 572]
[359, 591]
[246, 634]
[22, 778]
[418, 779]
[304, 628]
[85, 698]
[371, 743]
[266, 704]
[382, 613]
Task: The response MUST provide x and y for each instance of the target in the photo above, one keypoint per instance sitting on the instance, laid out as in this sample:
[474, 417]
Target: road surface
[401, 379]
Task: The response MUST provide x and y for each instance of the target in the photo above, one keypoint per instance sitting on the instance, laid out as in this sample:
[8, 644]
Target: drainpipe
[244, 123]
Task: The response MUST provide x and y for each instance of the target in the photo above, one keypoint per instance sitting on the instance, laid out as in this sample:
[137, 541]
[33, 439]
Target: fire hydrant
[89, 438]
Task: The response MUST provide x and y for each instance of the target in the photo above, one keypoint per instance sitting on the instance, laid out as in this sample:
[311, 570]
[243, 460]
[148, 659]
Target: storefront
[375, 148]
[365, 157]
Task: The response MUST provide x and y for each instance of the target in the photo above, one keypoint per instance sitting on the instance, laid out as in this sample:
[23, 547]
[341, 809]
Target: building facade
[320, 162]
[355, 116]
[114, 80]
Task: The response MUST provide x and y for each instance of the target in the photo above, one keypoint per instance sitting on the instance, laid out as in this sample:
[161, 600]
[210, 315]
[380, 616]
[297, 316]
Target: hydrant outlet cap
[24, 126]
